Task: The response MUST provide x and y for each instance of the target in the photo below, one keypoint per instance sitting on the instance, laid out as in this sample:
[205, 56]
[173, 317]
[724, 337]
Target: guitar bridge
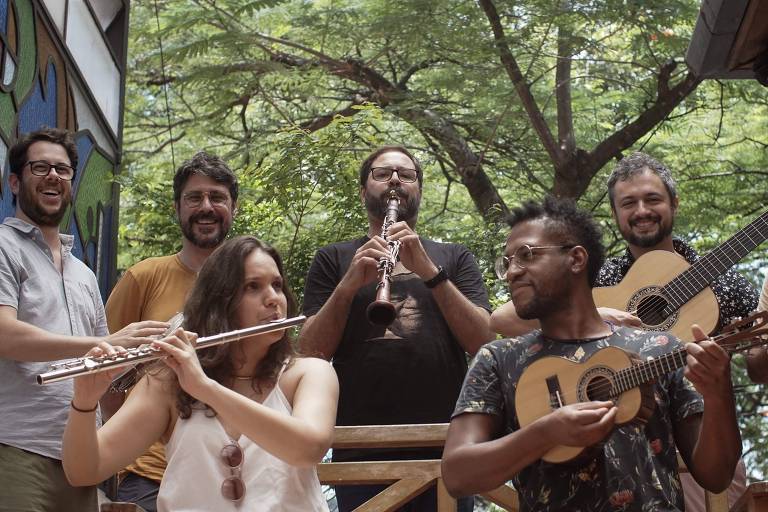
[555, 396]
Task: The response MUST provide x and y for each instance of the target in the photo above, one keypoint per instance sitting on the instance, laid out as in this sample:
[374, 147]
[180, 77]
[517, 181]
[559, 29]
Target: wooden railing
[406, 479]
[754, 500]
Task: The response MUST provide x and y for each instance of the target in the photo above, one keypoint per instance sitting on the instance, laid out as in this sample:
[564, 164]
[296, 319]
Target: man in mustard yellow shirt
[205, 198]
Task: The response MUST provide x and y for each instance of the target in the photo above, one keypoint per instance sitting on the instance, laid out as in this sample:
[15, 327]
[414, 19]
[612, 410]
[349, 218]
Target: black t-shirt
[410, 371]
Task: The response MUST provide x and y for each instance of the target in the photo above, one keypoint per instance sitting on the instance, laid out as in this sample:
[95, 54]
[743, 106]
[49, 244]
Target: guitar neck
[642, 373]
[637, 374]
[702, 273]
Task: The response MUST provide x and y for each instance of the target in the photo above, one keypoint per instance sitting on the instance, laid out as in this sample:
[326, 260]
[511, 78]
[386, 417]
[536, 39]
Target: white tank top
[195, 471]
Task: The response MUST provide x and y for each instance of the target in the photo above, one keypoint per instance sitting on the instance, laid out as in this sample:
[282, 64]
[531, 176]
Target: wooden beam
[505, 497]
[755, 499]
[445, 502]
[390, 436]
[395, 495]
[360, 473]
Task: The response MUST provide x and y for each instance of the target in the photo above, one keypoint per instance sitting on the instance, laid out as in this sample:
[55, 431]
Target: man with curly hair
[551, 260]
[644, 203]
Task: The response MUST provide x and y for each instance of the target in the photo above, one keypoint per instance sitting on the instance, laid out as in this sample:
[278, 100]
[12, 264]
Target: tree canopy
[501, 101]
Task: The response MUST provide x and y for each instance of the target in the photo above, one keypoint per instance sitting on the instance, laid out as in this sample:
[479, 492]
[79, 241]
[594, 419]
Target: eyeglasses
[385, 174]
[195, 199]
[42, 168]
[523, 256]
[233, 487]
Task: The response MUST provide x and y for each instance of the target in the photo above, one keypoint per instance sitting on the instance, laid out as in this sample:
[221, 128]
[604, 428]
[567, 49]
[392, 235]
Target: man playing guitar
[757, 359]
[551, 261]
[644, 203]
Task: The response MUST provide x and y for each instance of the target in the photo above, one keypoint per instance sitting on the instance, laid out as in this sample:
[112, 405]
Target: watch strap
[439, 278]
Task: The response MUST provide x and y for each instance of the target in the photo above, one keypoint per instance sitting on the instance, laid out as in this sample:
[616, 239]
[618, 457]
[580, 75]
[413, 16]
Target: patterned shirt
[736, 297]
[635, 469]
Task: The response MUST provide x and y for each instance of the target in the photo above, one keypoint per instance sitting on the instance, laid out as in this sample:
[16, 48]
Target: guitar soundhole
[599, 389]
[651, 310]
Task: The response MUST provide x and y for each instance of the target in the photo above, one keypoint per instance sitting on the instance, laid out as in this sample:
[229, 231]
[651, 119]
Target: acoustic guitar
[668, 294]
[613, 374]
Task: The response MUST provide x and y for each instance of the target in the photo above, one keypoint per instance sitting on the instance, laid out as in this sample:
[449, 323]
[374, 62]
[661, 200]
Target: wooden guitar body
[613, 374]
[640, 292]
[552, 382]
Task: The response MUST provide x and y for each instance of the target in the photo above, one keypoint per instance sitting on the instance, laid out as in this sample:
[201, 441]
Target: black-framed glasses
[195, 199]
[42, 168]
[523, 256]
[405, 174]
[233, 487]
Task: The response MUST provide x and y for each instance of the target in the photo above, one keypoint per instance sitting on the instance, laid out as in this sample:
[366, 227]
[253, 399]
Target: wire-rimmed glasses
[522, 257]
[195, 199]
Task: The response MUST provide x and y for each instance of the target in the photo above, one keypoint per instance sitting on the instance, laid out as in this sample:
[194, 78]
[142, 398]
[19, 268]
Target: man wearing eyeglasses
[411, 370]
[555, 252]
[205, 194]
[644, 201]
[50, 309]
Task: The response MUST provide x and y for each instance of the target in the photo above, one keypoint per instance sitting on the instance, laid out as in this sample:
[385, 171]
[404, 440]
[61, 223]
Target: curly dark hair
[638, 163]
[365, 167]
[207, 165]
[211, 309]
[567, 224]
[17, 155]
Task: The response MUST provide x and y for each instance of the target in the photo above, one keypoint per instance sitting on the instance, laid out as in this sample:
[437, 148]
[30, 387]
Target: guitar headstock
[744, 333]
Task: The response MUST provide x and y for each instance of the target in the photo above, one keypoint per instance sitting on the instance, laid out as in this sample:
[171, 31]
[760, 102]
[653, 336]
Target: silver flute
[94, 364]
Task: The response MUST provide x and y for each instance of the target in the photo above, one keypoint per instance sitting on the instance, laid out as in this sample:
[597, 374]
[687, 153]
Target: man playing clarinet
[411, 370]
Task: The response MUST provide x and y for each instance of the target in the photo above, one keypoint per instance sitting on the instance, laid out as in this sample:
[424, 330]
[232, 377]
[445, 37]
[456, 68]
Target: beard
[407, 209]
[36, 212]
[208, 241]
[539, 306]
[650, 239]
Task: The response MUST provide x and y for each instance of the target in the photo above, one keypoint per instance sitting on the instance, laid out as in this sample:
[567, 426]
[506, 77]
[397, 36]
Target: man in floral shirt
[551, 260]
[644, 203]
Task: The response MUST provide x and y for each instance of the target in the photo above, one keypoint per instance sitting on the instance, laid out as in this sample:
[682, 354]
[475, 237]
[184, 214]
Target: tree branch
[565, 134]
[665, 103]
[322, 121]
[413, 70]
[523, 91]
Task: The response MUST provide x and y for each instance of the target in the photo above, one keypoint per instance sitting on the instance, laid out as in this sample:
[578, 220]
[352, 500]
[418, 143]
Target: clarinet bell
[380, 312]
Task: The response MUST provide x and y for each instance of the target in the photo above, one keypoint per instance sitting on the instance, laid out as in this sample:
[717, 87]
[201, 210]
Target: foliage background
[293, 94]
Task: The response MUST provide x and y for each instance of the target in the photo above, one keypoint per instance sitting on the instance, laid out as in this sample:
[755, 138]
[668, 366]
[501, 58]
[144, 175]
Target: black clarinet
[381, 311]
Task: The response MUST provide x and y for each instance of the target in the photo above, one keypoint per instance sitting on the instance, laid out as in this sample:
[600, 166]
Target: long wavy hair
[211, 309]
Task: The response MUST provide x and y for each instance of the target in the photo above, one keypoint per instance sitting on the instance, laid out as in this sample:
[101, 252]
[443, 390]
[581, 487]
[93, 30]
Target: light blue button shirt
[33, 416]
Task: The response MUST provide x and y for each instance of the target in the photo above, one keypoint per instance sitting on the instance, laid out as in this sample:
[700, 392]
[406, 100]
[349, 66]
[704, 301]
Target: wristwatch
[439, 278]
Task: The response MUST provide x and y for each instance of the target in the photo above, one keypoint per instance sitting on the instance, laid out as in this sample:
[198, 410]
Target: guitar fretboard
[702, 273]
[637, 374]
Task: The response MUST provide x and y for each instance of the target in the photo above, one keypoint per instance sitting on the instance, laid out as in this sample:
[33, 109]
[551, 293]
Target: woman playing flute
[244, 423]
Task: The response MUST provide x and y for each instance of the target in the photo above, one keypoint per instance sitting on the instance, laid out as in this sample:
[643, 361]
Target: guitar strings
[623, 377]
[687, 279]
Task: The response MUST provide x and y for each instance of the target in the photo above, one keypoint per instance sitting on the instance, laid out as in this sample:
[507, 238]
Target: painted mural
[38, 87]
